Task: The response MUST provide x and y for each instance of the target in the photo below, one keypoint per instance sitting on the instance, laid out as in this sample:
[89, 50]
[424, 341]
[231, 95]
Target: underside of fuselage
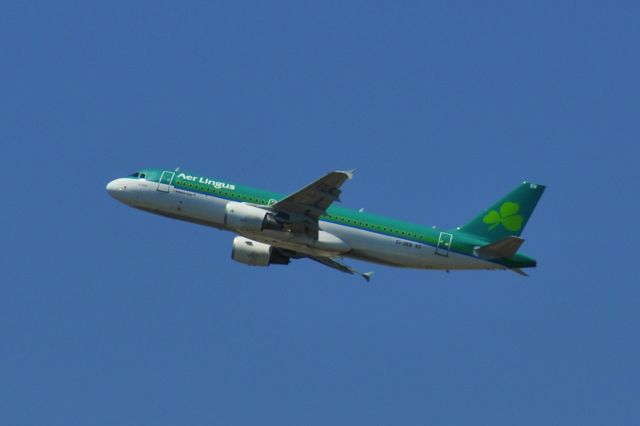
[368, 247]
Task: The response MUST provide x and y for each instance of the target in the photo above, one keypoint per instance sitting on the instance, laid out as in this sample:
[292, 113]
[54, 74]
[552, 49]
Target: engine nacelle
[255, 253]
[243, 217]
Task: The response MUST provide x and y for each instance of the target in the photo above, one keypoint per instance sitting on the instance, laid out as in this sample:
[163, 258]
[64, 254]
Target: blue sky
[113, 316]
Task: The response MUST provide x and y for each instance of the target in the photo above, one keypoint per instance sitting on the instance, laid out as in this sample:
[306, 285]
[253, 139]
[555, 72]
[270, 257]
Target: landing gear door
[165, 181]
[444, 244]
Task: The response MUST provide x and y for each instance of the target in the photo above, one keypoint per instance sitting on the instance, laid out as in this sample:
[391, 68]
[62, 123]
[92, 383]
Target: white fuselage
[359, 243]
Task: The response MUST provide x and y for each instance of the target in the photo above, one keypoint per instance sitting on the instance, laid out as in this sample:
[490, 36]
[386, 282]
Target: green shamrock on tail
[507, 217]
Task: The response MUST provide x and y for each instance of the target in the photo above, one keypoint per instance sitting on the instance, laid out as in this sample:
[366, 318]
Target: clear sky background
[111, 316]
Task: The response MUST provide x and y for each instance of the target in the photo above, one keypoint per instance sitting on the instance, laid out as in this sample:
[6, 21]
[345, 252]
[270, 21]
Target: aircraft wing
[313, 200]
[335, 264]
[331, 262]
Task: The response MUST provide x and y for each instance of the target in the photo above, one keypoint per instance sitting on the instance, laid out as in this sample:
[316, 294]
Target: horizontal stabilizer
[504, 248]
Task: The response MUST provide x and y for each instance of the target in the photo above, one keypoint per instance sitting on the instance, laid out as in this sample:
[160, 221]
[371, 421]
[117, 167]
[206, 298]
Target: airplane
[273, 229]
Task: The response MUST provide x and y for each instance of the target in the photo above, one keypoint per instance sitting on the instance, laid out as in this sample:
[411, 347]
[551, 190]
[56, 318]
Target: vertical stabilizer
[508, 216]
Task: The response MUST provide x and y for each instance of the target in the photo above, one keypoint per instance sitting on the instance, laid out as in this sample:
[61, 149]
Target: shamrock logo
[507, 217]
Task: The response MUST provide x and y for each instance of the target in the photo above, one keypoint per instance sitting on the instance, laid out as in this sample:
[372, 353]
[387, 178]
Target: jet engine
[244, 217]
[254, 253]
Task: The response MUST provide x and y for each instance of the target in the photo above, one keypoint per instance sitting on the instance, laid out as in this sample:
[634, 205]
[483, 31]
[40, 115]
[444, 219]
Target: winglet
[349, 173]
[367, 275]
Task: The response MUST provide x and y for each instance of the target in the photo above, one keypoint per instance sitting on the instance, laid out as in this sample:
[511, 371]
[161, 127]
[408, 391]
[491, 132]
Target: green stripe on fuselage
[461, 243]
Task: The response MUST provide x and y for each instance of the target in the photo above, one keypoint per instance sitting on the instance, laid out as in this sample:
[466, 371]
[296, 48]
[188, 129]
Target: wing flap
[335, 264]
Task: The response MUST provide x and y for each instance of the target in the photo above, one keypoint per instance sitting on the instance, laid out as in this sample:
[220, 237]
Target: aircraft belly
[389, 250]
[361, 244]
[372, 246]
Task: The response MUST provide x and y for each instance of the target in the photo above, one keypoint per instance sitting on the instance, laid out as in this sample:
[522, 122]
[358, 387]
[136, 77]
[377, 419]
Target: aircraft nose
[112, 187]
[117, 189]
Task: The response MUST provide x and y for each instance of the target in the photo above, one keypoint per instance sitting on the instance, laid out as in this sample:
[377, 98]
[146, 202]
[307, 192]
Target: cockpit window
[136, 174]
[142, 175]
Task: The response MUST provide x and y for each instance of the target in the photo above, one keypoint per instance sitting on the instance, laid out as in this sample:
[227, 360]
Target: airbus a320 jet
[272, 228]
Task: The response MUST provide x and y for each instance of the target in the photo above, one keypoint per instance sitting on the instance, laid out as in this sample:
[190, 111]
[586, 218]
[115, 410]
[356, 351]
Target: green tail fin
[508, 216]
